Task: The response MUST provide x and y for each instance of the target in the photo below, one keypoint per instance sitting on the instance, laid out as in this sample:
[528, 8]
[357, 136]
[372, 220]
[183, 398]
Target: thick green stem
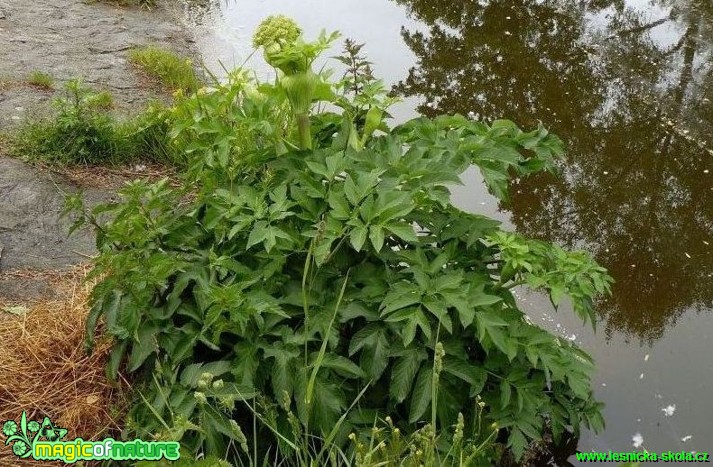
[304, 130]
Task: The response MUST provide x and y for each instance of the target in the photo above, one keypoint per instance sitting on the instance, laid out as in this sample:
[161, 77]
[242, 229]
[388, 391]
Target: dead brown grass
[45, 370]
[114, 178]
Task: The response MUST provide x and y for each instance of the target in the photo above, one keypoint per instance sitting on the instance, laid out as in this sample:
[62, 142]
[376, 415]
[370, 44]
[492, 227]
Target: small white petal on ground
[686, 438]
[646, 358]
[641, 376]
[637, 440]
[669, 410]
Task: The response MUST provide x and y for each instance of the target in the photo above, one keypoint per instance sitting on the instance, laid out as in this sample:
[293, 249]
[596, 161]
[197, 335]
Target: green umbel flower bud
[274, 31]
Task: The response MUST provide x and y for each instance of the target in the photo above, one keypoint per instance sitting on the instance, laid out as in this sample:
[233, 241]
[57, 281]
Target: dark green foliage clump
[313, 289]
[83, 131]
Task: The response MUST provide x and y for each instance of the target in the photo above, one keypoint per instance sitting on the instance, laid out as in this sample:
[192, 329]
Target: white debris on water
[686, 438]
[637, 440]
[669, 410]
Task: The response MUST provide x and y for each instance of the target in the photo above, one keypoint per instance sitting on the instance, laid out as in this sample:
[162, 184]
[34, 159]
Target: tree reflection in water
[630, 92]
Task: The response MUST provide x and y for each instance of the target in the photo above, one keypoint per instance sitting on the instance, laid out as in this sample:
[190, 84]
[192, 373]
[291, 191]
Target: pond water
[628, 85]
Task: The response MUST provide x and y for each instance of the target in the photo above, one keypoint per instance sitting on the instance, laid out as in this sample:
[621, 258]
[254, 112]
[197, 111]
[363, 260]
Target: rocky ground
[66, 39]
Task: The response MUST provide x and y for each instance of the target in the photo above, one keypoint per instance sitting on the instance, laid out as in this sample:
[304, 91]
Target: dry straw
[44, 368]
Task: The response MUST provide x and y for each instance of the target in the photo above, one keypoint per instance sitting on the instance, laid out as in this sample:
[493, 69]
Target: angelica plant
[333, 283]
[285, 49]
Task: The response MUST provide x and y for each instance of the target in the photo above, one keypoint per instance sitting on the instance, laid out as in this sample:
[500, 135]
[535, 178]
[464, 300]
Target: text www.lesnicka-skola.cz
[666, 456]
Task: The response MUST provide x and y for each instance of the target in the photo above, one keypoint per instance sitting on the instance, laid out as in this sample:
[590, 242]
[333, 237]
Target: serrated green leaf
[340, 208]
[258, 234]
[404, 372]
[399, 298]
[505, 393]
[376, 235]
[421, 397]
[358, 236]
[474, 375]
[403, 231]
[343, 366]
[517, 443]
[350, 190]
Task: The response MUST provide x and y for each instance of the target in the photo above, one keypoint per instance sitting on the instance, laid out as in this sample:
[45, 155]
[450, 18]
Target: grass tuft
[146, 4]
[169, 69]
[41, 80]
[84, 132]
[102, 100]
[5, 83]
